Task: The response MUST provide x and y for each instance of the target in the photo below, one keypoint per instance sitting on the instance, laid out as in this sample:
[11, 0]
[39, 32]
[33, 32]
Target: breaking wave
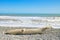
[19, 21]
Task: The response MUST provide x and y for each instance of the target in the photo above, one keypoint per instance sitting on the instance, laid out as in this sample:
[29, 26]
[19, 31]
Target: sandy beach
[50, 34]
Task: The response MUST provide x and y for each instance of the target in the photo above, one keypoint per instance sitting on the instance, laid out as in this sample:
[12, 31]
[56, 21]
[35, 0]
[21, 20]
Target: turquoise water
[29, 14]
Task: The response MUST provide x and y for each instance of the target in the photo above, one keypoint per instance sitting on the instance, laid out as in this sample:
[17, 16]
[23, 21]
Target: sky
[30, 6]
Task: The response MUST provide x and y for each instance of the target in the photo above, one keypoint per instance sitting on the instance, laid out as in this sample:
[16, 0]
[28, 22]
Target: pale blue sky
[29, 6]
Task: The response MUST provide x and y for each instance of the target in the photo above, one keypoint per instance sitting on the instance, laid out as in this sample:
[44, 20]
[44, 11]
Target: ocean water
[29, 21]
[31, 14]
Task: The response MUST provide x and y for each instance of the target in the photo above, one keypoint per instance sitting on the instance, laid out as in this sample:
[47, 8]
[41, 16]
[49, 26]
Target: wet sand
[50, 34]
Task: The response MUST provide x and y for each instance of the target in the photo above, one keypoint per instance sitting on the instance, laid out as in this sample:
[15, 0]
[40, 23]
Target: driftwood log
[27, 31]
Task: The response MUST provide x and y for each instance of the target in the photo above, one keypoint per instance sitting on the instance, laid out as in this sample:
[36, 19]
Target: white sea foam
[19, 21]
